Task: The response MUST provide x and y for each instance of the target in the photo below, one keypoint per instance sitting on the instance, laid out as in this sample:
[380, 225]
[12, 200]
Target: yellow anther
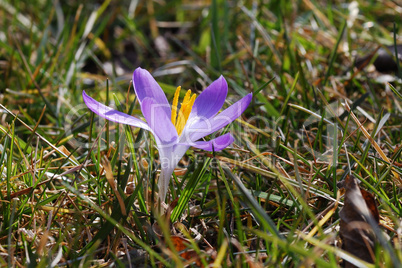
[174, 105]
[180, 118]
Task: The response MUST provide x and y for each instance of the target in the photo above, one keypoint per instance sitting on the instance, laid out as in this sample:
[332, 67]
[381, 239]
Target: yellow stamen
[179, 119]
[174, 105]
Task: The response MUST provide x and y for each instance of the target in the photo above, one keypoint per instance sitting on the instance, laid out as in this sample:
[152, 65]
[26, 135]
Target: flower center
[179, 119]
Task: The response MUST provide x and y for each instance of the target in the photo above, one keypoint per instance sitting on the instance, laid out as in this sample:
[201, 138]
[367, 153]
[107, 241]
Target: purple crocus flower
[175, 130]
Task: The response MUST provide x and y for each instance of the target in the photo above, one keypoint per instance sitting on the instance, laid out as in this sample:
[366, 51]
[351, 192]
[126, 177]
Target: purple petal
[159, 122]
[210, 101]
[163, 183]
[167, 167]
[145, 86]
[113, 115]
[197, 129]
[169, 157]
[216, 144]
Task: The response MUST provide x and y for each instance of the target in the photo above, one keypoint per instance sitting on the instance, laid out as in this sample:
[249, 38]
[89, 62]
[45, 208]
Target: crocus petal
[210, 101]
[113, 115]
[145, 86]
[159, 122]
[216, 144]
[169, 157]
[163, 183]
[199, 129]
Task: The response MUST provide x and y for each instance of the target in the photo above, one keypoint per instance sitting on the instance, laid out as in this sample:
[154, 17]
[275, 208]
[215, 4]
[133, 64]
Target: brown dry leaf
[384, 62]
[178, 237]
[180, 245]
[355, 231]
[113, 185]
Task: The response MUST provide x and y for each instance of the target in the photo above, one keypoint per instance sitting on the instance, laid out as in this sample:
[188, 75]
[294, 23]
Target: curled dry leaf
[182, 246]
[355, 231]
[113, 185]
[384, 59]
[178, 240]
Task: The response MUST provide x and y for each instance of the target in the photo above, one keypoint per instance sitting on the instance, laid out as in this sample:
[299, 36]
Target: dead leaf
[385, 60]
[178, 239]
[356, 233]
[180, 244]
[189, 255]
[113, 185]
